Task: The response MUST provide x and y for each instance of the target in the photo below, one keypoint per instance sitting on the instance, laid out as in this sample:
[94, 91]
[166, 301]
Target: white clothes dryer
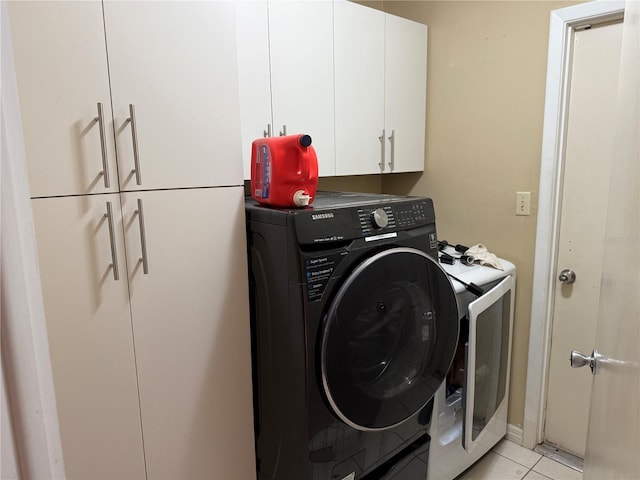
[470, 407]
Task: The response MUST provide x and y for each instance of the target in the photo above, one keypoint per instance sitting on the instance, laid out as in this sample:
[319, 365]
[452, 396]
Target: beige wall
[486, 76]
[362, 183]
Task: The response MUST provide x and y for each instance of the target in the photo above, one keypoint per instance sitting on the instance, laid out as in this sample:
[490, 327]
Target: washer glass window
[388, 338]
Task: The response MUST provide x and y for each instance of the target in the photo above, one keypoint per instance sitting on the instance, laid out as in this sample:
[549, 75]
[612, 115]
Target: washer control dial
[379, 218]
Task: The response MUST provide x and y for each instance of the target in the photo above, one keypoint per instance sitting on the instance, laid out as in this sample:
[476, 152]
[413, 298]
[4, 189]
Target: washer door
[388, 339]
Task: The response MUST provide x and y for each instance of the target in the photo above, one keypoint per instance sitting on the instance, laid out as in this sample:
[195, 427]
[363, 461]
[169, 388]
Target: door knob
[567, 276]
[578, 360]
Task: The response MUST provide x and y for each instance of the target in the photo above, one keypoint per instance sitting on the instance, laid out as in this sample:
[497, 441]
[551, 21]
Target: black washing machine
[354, 326]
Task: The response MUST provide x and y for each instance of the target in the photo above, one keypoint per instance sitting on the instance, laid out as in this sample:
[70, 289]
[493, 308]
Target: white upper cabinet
[359, 88]
[301, 39]
[405, 93]
[62, 77]
[285, 48]
[380, 91]
[254, 74]
[173, 65]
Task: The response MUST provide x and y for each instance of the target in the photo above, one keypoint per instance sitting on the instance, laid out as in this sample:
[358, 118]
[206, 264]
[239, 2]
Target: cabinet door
[191, 325]
[90, 340]
[359, 88]
[252, 27]
[175, 64]
[61, 70]
[302, 93]
[405, 93]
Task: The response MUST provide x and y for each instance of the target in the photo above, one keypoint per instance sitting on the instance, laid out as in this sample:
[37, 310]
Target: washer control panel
[327, 222]
[388, 218]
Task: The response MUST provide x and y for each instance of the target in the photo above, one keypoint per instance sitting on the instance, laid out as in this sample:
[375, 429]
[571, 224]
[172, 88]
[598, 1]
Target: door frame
[562, 26]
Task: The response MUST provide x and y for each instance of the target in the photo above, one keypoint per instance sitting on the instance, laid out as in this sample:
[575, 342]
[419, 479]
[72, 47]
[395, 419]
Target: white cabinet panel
[176, 63]
[89, 328]
[191, 325]
[405, 93]
[285, 64]
[359, 88]
[61, 70]
[302, 93]
[380, 86]
[254, 75]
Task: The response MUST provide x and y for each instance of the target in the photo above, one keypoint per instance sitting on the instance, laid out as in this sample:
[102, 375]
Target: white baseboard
[514, 434]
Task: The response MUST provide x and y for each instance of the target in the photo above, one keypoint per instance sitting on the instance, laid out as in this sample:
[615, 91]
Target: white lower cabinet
[89, 328]
[152, 370]
[191, 326]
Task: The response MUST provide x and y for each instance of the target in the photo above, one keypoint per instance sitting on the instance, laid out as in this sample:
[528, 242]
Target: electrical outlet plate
[523, 203]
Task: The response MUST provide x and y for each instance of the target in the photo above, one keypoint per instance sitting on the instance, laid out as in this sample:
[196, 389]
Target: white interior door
[589, 141]
[613, 440]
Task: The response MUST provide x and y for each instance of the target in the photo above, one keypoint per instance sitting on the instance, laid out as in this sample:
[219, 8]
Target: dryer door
[388, 339]
[487, 370]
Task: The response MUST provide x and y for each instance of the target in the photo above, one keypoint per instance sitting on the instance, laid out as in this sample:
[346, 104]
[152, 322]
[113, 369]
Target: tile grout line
[515, 461]
[528, 472]
[534, 466]
[542, 474]
[530, 469]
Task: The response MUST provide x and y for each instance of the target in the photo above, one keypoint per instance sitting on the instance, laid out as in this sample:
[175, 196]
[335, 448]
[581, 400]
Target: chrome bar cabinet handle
[112, 239]
[103, 147]
[134, 139]
[382, 140]
[392, 141]
[143, 238]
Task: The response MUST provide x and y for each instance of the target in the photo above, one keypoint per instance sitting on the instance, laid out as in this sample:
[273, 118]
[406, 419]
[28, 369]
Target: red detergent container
[284, 171]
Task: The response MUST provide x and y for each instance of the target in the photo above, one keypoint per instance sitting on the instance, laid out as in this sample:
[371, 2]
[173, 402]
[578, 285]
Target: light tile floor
[509, 461]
